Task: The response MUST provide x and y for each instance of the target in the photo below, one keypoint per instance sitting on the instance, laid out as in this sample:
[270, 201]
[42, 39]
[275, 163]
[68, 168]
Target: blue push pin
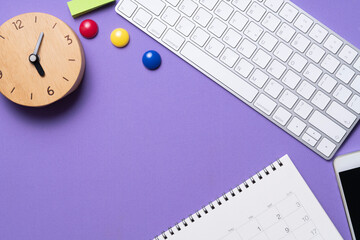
[151, 60]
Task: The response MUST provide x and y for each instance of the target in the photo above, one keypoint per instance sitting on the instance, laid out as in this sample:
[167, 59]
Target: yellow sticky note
[80, 7]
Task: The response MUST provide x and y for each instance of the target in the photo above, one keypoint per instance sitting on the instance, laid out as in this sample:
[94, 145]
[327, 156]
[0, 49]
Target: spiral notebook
[275, 203]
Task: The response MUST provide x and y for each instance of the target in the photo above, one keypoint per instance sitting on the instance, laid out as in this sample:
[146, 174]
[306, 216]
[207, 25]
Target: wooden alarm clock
[41, 59]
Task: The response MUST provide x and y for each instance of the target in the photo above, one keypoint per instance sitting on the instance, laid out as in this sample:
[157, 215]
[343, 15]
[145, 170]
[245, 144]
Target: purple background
[132, 152]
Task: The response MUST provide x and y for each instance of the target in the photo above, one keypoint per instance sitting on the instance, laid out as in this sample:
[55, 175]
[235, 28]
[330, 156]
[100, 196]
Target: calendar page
[274, 204]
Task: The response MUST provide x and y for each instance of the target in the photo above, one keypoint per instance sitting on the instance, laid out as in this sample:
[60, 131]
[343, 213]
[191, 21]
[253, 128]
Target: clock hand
[41, 36]
[34, 58]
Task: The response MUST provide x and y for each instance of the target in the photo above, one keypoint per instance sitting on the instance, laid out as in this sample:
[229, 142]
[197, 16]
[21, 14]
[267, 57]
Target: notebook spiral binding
[218, 202]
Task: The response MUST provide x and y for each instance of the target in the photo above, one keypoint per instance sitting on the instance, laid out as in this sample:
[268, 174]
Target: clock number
[17, 24]
[1, 75]
[69, 40]
[50, 91]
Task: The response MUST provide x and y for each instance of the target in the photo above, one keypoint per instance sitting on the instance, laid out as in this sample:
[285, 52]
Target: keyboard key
[320, 100]
[209, 4]
[315, 53]
[303, 109]
[253, 31]
[342, 93]
[217, 27]
[247, 48]
[291, 79]
[229, 57]
[268, 42]
[274, 4]
[241, 4]
[297, 62]
[173, 39]
[300, 43]
[333, 44]
[256, 11]
[282, 116]
[345, 74]
[312, 72]
[187, 7]
[157, 28]
[341, 114]
[127, 7]
[214, 47]
[173, 2]
[327, 126]
[224, 10]
[357, 64]
[142, 18]
[202, 17]
[326, 147]
[327, 83]
[170, 16]
[288, 12]
[259, 78]
[288, 99]
[219, 72]
[244, 68]
[306, 89]
[271, 22]
[285, 32]
[354, 104]
[261, 58]
[308, 139]
[318, 33]
[330, 63]
[265, 104]
[314, 134]
[296, 126]
[283, 52]
[200, 37]
[303, 23]
[356, 84]
[276, 69]
[238, 21]
[185, 26]
[154, 6]
[232, 38]
[273, 88]
[348, 54]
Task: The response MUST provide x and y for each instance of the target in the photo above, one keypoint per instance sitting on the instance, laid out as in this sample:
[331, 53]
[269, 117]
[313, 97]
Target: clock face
[41, 59]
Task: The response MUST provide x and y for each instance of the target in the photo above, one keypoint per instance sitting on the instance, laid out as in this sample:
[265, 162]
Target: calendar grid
[287, 219]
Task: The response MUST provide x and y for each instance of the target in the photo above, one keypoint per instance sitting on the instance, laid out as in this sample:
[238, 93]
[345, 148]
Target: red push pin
[88, 28]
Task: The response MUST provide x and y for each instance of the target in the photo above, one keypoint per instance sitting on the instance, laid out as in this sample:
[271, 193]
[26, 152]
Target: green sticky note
[80, 7]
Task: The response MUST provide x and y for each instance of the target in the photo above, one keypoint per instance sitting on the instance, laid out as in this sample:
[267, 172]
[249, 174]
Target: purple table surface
[132, 152]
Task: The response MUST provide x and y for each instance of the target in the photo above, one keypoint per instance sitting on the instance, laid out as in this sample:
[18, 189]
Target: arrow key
[326, 147]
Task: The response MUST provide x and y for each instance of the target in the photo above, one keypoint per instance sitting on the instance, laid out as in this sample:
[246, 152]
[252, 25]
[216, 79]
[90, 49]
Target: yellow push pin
[120, 37]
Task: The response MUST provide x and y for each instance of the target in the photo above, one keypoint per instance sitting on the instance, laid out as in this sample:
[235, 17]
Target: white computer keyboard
[269, 53]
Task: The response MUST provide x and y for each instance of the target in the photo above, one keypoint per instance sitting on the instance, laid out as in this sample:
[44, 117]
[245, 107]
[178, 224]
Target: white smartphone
[347, 169]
